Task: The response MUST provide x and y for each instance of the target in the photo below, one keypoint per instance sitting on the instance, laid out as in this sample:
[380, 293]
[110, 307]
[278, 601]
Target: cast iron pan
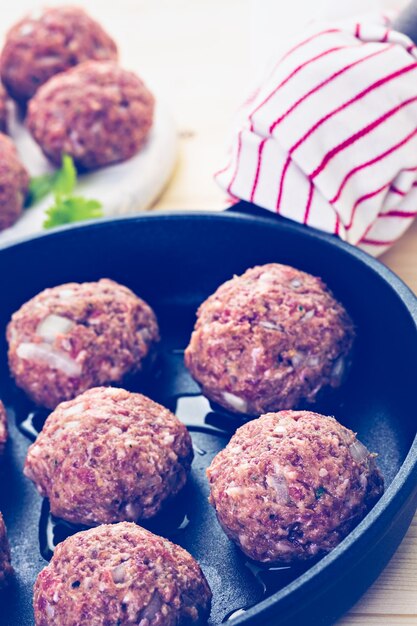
[175, 261]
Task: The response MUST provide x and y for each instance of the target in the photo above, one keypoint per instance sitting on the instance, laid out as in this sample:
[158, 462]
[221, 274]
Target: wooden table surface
[198, 56]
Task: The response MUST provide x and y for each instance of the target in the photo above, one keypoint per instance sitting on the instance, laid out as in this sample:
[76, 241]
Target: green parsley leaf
[319, 492]
[61, 182]
[39, 188]
[72, 209]
[66, 177]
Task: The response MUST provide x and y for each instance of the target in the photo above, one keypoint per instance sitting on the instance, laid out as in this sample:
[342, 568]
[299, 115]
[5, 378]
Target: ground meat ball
[76, 336]
[5, 565]
[14, 182]
[108, 456]
[3, 426]
[97, 113]
[3, 109]
[290, 486]
[268, 340]
[120, 574]
[47, 42]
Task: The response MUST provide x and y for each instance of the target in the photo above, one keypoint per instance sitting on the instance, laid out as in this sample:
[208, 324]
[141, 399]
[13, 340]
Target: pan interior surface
[174, 262]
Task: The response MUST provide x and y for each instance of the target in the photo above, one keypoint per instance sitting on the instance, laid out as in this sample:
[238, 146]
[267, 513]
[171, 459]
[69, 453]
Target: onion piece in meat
[52, 326]
[338, 371]
[239, 404]
[270, 325]
[278, 482]
[358, 451]
[119, 573]
[297, 359]
[55, 359]
[151, 610]
[308, 316]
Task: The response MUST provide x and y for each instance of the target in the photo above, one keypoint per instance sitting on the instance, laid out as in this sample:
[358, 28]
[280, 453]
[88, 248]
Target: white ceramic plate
[124, 188]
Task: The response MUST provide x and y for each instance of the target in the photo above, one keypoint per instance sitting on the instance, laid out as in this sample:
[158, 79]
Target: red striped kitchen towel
[330, 138]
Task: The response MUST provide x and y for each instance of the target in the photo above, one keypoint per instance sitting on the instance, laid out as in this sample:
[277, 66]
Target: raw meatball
[3, 427]
[14, 183]
[5, 565]
[47, 42]
[268, 340]
[97, 113]
[290, 486]
[120, 574]
[76, 336]
[109, 456]
[3, 109]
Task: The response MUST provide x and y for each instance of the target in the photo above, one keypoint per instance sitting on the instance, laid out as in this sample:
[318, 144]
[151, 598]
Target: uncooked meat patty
[268, 340]
[108, 456]
[290, 486]
[14, 182]
[3, 109]
[47, 42]
[97, 113]
[5, 564]
[120, 574]
[76, 336]
[3, 427]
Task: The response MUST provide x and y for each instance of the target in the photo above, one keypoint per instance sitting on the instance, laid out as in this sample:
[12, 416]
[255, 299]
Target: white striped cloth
[330, 138]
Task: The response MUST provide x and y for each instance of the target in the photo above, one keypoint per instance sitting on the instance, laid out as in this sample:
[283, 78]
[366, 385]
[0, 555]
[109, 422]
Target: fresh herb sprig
[67, 208]
[61, 182]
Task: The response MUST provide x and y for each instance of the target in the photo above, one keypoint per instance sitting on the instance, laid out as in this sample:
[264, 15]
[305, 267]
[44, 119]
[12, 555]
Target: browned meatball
[290, 486]
[14, 183]
[47, 42]
[3, 109]
[97, 113]
[120, 574]
[3, 427]
[268, 340]
[5, 563]
[108, 456]
[76, 336]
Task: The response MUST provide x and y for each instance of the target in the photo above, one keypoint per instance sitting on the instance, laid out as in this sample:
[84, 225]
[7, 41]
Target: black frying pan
[174, 261]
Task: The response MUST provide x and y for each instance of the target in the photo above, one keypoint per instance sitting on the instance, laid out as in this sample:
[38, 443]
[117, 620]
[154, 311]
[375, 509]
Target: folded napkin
[329, 139]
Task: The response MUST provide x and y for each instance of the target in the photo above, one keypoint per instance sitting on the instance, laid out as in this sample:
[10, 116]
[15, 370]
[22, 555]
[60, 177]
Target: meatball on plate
[14, 183]
[290, 486]
[81, 103]
[47, 42]
[121, 574]
[76, 336]
[3, 110]
[268, 340]
[97, 113]
[108, 456]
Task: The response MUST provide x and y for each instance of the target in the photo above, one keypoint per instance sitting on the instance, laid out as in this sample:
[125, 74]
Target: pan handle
[406, 21]
[247, 208]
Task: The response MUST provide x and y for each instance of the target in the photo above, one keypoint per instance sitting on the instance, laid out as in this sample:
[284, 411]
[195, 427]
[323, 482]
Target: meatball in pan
[120, 574]
[290, 486]
[76, 336]
[109, 455]
[268, 340]
[5, 562]
[3, 427]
